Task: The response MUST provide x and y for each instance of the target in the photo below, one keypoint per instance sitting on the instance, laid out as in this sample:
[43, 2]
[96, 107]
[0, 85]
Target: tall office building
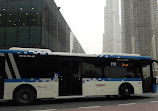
[111, 37]
[139, 26]
[35, 24]
[126, 23]
[154, 6]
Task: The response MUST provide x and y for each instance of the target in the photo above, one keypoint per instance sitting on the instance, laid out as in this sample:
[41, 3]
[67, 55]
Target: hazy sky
[86, 20]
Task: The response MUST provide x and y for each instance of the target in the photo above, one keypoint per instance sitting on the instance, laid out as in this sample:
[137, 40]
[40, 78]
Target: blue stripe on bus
[125, 79]
[115, 79]
[48, 80]
[29, 80]
[126, 57]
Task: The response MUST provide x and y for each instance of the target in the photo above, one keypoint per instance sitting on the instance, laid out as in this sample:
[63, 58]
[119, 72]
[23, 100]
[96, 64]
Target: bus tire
[125, 92]
[24, 96]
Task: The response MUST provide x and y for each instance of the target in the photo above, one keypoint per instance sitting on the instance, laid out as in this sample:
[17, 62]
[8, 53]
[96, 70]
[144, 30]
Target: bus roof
[30, 49]
[108, 55]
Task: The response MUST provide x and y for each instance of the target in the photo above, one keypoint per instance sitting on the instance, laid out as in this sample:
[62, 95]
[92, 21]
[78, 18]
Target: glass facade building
[35, 24]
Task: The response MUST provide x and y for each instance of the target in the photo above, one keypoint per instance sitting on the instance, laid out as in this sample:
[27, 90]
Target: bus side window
[91, 68]
[122, 70]
[42, 66]
[113, 71]
[107, 72]
[117, 72]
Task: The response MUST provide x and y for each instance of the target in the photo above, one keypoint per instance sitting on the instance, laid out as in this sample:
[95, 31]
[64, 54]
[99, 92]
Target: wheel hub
[25, 96]
[126, 90]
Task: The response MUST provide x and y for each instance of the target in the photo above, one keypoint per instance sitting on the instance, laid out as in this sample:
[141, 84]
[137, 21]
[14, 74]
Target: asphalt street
[82, 103]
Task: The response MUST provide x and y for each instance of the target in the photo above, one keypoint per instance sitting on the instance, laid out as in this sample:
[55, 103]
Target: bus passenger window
[107, 72]
[91, 68]
[116, 72]
[122, 70]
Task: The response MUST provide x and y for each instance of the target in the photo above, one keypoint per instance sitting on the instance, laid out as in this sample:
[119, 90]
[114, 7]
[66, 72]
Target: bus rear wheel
[125, 92]
[24, 96]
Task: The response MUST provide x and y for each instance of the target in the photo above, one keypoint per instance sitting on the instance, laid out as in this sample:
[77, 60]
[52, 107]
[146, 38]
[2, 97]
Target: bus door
[2, 65]
[147, 77]
[70, 82]
[155, 69]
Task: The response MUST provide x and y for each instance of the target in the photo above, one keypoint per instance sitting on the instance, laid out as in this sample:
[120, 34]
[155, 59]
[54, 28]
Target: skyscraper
[126, 23]
[111, 37]
[138, 26]
[154, 6]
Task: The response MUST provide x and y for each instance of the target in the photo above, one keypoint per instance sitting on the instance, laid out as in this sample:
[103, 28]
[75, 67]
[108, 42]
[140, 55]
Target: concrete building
[111, 37]
[35, 24]
[139, 27]
[126, 23]
[154, 6]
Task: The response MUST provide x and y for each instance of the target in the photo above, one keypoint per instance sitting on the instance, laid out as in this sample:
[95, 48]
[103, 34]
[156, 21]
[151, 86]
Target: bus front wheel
[125, 92]
[24, 96]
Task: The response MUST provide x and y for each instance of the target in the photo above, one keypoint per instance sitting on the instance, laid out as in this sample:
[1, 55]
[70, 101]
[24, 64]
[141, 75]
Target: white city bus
[28, 75]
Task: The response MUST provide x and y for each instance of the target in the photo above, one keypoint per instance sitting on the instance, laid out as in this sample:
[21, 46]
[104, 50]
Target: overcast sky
[86, 20]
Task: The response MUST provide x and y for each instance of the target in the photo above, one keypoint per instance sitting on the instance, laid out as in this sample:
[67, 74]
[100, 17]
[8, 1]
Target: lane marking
[44, 110]
[126, 104]
[153, 101]
[90, 107]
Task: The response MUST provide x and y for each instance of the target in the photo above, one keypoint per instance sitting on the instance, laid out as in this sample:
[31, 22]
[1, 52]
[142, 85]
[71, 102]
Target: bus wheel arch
[125, 90]
[22, 89]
